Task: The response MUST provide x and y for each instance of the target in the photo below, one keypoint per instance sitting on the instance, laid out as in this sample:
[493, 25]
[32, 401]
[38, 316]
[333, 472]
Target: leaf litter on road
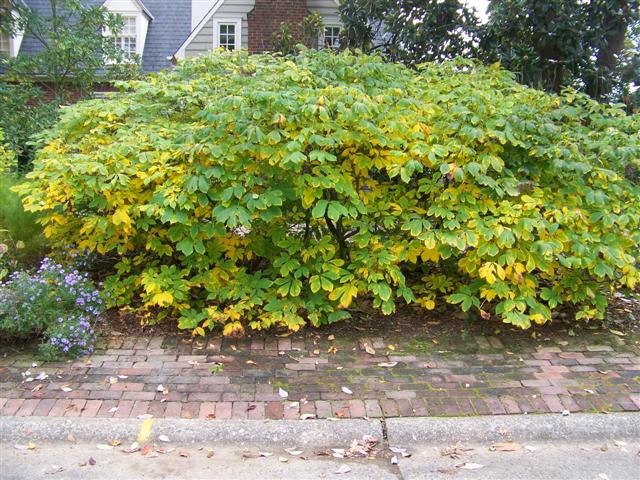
[469, 466]
[455, 451]
[505, 447]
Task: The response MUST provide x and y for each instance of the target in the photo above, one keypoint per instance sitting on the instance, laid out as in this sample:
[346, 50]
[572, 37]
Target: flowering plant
[57, 302]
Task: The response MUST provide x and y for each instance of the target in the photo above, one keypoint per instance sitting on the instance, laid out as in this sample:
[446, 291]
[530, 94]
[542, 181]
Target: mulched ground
[623, 315]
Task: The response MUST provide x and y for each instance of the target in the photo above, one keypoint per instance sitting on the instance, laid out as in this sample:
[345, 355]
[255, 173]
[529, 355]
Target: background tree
[411, 31]
[552, 44]
[591, 46]
[74, 55]
[74, 52]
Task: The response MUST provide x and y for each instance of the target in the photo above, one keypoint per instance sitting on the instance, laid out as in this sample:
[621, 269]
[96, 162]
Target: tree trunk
[614, 26]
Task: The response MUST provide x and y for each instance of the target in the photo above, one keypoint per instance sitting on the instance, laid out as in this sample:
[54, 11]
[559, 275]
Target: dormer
[136, 18]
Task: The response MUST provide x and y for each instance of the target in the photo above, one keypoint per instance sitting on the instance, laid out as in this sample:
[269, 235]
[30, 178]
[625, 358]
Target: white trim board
[180, 53]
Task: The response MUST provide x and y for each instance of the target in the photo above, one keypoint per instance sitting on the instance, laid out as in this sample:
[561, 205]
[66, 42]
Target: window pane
[332, 37]
[227, 36]
[4, 43]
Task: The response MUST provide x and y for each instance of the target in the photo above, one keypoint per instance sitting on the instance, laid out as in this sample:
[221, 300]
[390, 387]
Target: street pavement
[570, 447]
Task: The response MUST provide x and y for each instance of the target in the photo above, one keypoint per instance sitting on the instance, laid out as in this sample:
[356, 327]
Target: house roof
[141, 6]
[169, 26]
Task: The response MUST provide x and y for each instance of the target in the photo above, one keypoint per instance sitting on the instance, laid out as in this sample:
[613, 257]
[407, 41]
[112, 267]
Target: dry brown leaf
[455, 451]
[184, 454]
[505, 447]
[250, 454]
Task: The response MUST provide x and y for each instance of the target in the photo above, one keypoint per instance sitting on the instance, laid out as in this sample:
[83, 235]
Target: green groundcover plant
[251, 191]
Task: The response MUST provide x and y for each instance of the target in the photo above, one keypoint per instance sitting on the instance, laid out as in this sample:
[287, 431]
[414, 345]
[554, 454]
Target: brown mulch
[623, 316]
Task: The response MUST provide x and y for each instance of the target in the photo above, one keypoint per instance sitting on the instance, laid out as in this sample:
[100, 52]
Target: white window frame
[323, 36]
[136, 18]
[236, 22]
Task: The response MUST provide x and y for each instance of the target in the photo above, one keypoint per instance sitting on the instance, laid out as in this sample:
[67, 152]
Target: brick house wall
[266, 18]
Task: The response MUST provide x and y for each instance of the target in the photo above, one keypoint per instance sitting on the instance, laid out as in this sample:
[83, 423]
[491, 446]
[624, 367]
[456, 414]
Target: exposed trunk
[615, 27]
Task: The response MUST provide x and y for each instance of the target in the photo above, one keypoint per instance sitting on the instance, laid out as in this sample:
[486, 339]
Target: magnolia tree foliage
[256, 191]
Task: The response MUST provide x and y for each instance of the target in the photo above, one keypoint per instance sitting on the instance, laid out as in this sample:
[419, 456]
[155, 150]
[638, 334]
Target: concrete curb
[400, 431]
[520, 428]
[287, 432]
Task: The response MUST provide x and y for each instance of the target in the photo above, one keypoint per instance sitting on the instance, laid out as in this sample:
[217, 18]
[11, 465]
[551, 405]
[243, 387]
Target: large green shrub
[258, 191]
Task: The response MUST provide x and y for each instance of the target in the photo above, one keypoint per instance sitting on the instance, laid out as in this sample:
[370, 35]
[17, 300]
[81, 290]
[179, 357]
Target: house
[164, 31]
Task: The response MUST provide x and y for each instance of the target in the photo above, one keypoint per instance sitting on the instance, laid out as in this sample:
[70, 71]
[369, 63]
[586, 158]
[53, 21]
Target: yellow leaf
[162, 299]
[232, 328]
[121, 217]
[199, 331]
[486, 271]
[430, 254]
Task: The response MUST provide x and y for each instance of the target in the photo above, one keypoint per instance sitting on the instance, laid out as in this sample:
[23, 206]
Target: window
[227, 33]
[4, 44]
[127, 38]
[331, 37]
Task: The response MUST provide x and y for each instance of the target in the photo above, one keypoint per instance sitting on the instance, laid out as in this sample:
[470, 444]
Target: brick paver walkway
[327, 377]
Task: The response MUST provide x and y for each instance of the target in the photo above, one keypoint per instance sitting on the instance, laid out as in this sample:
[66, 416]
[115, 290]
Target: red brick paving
[490, 377]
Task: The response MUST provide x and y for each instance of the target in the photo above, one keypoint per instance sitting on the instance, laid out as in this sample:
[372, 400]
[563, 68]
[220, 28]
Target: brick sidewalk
[476, 375]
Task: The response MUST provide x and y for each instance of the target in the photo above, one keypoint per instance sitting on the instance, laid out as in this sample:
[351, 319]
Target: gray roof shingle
[170, 26]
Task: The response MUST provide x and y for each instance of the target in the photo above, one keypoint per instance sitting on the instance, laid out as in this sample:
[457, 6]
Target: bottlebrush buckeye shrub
[256, 191]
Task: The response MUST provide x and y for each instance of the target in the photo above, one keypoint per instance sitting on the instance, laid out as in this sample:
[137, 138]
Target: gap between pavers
[519, 428]
[246, 432]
